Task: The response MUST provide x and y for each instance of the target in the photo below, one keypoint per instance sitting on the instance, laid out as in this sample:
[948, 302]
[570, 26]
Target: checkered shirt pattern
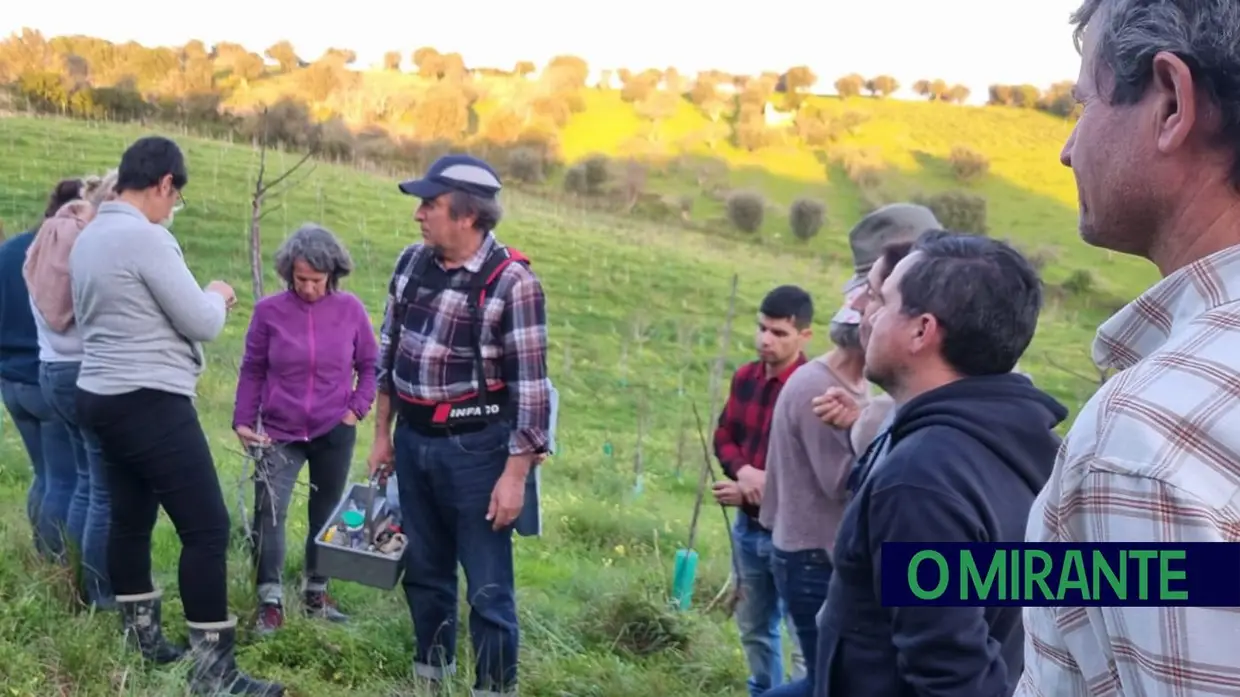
[743, 430]
[434, 360]
[1154, 456]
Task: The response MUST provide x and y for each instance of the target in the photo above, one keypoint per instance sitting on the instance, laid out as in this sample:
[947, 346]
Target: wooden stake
[624, 361]
[680, 443]
[638, 462]
[725, 339]
[697, 504]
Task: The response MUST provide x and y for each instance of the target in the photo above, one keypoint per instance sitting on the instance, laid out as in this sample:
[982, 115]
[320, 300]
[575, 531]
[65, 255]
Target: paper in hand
[529, 521]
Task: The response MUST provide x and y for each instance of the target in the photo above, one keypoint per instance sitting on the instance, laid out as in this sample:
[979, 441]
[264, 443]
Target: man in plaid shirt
[463, 369]
[1154, 456]
[740, 444]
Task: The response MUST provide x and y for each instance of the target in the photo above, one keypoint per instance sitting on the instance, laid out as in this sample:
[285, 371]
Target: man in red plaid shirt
[740, 444]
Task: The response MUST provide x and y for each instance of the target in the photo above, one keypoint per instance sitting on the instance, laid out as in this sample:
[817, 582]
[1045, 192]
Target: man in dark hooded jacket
[969, 448]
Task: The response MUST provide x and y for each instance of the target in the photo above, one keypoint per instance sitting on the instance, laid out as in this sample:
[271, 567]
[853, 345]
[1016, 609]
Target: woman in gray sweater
[142, 318]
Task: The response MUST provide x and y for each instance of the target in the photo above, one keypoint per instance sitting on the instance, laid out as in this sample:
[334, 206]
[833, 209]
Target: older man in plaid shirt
[463, 368]
[1154, 456]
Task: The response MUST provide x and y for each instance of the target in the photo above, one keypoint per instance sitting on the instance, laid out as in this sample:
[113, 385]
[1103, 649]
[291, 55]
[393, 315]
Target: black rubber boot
[215, 670]
[141, 621]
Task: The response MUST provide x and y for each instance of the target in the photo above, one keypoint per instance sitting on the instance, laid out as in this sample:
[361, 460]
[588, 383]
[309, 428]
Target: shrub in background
[746, 210]
[806, 216]
[957, 210]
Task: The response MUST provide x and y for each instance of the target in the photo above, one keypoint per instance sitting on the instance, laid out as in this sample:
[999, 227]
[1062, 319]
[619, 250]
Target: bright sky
[973, 42]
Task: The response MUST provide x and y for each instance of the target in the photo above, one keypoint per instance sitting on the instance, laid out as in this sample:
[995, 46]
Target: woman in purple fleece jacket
[307, 378]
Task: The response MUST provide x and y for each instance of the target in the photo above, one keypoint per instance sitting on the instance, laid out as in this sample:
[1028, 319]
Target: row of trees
[196, 69]
[1057, 100]
[92, 78]
[795, 84]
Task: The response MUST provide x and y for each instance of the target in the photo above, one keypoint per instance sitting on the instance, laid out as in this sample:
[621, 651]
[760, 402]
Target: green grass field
[636, 311]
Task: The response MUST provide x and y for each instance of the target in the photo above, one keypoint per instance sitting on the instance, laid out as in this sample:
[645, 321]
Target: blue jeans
[802, 579]
[90, 506]
[16, 397]
[797, 688]
[445, 485]
[760, 611]
[51, 454]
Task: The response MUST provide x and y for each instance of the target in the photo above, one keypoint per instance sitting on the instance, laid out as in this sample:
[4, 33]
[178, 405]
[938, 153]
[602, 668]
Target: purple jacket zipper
[309, 373]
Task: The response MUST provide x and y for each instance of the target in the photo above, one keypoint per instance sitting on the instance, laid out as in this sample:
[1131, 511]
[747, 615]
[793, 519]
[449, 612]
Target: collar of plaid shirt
[782, 376]
[1144, 325]
[744, 426]
[1153, 456]
[475, 262]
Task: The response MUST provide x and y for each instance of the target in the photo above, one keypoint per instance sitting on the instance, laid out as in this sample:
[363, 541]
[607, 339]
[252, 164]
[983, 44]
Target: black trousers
[157, 455]
[330, 456]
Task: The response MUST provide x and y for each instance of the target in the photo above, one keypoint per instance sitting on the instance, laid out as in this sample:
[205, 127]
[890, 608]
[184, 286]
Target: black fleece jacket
[965, 463]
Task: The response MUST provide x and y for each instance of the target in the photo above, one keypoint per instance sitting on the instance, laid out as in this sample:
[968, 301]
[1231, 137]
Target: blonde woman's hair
[98, 189]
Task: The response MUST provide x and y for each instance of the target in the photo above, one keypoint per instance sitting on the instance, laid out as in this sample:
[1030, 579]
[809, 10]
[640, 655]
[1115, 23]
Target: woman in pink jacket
[46, 273]
[307, 378]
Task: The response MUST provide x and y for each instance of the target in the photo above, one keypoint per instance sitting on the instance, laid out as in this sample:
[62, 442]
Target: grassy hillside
[635, 308]
[1031, 197]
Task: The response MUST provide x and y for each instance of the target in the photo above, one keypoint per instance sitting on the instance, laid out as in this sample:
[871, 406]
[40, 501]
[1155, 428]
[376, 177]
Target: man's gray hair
[1205, 34]
[486, 211]
[845, 336]
[319, 248]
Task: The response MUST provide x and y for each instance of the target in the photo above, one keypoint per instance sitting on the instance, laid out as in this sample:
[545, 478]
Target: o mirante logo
[1026, 574]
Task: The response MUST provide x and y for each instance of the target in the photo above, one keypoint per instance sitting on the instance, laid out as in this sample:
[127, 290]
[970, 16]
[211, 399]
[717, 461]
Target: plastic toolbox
[357, 565]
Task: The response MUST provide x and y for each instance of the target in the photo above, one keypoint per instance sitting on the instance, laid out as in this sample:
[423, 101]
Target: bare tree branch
[729, 603]
[304, 174]
[276, 182]
[262, 189]
[727, 521]
[268, 211]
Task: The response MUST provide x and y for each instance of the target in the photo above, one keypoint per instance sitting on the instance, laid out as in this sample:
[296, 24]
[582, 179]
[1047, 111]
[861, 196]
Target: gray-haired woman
[308, 375]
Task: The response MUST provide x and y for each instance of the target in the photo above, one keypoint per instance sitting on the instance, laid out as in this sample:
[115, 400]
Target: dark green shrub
[597, 172]
[575, 179]
[746, 209]
[957, 210]
[806, 217]
[526, 165]
[968, 163]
